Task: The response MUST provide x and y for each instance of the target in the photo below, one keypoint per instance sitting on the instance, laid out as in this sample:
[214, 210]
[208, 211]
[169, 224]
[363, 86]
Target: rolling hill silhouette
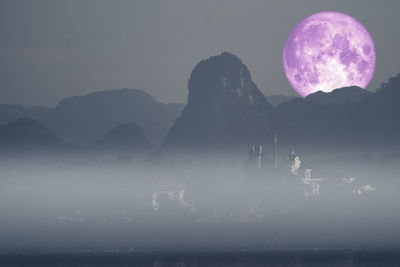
[27, 135]
[129, 138]
[84, 119]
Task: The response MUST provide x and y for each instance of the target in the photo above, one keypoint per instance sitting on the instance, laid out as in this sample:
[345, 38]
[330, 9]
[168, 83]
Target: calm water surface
[210, 259]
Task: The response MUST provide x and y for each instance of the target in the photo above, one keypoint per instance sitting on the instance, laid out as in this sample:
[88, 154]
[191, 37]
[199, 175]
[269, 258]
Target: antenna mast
[275, 151]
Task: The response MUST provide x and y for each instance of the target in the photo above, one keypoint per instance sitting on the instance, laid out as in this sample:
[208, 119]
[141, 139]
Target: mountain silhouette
[81, 119]
[225, 108]
[382, 111]
[340, 96]
[11, 112]
[84, 119]
[26, 134]
[276, 100]
[345, 118]
[123, 138]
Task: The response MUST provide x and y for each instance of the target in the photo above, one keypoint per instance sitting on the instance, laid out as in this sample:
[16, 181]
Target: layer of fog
[212, 202]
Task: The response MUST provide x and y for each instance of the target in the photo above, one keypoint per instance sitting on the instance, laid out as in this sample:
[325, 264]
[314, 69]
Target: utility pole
[275, 151]
[259, 157]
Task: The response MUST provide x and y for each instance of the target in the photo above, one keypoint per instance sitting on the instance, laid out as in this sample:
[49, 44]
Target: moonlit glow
[328, 50]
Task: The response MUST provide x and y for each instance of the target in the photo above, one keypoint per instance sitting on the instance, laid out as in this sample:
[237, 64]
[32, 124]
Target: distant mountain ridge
[129, 138]
[26, 135]
[276, 100]
[346, 117]
[86, 118]
[225, 110]
[83, 119]
[340, 96]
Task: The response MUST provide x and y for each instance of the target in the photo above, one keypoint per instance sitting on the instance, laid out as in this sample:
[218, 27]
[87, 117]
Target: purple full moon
[328, 50]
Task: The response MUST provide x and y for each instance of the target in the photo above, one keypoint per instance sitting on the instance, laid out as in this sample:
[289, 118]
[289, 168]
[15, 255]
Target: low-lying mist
[119, 203]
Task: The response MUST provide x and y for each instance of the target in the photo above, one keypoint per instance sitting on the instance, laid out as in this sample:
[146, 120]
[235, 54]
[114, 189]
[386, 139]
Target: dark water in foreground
[210, 259]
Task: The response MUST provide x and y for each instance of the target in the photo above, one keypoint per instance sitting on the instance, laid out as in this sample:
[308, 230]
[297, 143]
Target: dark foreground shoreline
[209, 258]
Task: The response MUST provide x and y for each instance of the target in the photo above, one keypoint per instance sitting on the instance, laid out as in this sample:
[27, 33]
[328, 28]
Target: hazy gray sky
[50, 49]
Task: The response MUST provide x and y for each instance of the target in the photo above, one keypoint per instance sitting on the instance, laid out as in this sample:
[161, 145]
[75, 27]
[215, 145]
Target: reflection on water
[210, 259]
